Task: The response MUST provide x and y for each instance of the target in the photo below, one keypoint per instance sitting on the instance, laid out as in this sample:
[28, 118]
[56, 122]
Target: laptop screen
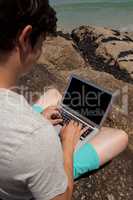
[87, 100]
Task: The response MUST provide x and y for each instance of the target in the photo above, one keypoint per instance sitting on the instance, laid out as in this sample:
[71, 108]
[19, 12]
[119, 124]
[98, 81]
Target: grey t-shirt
[31, 159]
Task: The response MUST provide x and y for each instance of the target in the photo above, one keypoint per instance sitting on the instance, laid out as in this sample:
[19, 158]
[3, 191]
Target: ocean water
[110, 13]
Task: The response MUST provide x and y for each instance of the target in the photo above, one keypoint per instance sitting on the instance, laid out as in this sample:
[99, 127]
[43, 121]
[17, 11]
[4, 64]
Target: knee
[123, 138]
[54, 92]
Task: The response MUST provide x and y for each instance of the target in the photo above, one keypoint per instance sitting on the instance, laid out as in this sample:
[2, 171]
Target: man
[34, 162]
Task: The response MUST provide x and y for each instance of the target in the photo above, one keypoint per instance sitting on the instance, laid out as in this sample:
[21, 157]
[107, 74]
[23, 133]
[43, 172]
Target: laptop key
[86, 133]
[67, 118]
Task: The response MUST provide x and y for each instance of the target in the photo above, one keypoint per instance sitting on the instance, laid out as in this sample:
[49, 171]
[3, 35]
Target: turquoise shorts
[85, 159]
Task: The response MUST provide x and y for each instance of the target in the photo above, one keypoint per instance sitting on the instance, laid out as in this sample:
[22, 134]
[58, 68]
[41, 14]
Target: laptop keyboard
[67, 118]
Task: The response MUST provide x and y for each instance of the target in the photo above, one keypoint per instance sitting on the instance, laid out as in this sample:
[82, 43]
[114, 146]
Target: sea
[116, 14]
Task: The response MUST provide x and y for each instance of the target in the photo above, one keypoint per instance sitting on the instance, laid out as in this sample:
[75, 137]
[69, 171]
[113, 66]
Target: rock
[110, 47]
[56, 53]
[110, 197]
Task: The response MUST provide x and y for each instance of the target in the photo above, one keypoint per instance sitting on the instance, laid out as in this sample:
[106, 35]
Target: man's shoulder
[18, 114]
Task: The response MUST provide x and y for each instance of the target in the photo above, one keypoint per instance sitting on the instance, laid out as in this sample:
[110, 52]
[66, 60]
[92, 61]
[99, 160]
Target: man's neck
[9, 72]
[8, 78]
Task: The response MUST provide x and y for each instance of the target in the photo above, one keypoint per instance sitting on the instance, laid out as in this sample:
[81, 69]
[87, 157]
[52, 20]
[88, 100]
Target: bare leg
[108, 143]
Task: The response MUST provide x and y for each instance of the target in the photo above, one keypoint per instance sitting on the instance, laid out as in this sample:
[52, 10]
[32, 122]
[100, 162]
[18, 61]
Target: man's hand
[53, 115]
[71, 133]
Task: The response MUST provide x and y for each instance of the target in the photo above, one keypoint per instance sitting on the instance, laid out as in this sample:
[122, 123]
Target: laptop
[87, 104]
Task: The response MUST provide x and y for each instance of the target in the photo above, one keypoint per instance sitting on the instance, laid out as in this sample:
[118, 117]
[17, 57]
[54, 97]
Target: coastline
[69, 29]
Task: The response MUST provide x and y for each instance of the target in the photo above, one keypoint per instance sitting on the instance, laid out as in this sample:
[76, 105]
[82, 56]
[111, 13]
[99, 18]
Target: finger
[68, 123]
[84, 130]
[76, 124]
[71, 122]
[64, 126]
[79, 129]
[80, 126]
[56, 121]
[55, 117]
[55, 112]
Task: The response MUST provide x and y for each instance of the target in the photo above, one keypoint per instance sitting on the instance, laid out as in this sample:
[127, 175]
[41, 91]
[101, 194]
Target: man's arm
[68, 166]
[70, 135]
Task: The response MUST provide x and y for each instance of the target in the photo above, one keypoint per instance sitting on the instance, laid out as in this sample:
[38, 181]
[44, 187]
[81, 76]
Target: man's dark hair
[16, 14]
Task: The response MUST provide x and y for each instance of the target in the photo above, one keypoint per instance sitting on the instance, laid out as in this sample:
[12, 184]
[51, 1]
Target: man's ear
[24, 38]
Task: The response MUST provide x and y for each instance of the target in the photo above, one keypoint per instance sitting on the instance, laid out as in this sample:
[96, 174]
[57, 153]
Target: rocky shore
[112, 49]
[105, 57]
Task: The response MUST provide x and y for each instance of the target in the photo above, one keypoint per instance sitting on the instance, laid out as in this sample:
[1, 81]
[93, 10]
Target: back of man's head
[17, 14]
